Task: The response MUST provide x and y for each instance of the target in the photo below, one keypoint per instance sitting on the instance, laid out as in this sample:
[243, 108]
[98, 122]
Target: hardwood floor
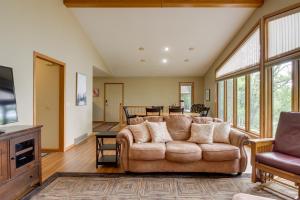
[81, 158]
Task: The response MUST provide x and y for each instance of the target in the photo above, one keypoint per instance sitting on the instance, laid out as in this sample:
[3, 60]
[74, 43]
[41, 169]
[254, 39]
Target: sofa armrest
[240, 139]
[125, 139]
[125, 135]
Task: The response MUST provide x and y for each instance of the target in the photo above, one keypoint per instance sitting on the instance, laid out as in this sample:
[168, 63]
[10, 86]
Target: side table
[102, 159]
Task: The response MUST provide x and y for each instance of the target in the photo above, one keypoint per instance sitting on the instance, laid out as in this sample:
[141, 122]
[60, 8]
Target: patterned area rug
[165, 187]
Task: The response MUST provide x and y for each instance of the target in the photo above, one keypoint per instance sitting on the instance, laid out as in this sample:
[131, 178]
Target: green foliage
[241, 101]
[255, 102]
[281, 91]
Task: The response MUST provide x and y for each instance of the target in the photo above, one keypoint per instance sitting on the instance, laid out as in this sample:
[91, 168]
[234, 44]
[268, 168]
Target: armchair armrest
[259, 146]
[262, 142]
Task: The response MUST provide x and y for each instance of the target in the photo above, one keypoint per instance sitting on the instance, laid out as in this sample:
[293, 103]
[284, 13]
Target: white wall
[268, 7]
[48, 27]
[146, 91]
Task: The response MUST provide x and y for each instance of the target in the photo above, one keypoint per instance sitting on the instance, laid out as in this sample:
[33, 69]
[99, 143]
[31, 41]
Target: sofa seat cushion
[280, 161]
[147, 151]
[219, 152]
[181, 151]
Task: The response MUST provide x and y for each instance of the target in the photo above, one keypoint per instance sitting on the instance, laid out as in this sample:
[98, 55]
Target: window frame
[240, 44]
[272, 17]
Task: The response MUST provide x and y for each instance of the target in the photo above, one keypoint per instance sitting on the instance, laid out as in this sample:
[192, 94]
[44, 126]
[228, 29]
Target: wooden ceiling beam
[162, 3]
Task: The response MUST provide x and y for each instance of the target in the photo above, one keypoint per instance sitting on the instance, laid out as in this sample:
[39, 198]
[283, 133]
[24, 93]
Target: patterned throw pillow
[140, 132]
[202, 133]
[221, 132]
[159, 132]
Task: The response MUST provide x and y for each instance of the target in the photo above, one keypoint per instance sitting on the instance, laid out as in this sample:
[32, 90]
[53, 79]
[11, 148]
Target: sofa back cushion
[287, 139]
[179, 126]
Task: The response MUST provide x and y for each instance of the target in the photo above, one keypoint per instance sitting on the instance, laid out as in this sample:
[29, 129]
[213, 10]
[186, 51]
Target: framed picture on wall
[96, 92]
[81, 89]
[207, 95]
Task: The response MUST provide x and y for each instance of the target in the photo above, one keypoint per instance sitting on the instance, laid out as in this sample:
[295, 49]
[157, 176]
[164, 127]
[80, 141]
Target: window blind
[247, 55]
[283, 34]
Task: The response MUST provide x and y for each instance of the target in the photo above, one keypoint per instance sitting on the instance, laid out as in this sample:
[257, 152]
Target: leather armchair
[279, 156]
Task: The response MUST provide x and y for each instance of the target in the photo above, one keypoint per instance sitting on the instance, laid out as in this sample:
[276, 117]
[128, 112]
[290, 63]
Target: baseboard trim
[69, 147]
[73, 145]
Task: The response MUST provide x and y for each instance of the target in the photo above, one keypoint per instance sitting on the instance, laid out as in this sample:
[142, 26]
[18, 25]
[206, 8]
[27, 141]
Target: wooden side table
[102, 159]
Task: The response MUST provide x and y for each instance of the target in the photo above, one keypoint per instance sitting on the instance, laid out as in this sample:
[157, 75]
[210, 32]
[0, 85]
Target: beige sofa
[179, 155]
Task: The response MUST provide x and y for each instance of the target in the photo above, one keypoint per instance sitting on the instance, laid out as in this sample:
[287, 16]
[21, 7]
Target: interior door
[113, 99]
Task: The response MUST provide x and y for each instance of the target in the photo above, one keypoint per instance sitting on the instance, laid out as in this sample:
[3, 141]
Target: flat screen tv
[8, 106]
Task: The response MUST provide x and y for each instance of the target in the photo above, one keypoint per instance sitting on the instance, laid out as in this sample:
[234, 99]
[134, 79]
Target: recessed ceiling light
[164, 60]
[141, 49]
[191, 49]
[186, 60]
[166, 49]
[143, 60]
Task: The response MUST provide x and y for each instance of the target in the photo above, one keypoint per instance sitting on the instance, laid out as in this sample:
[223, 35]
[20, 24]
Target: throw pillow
[140, 132]
[221, 132]
[159, 132]
[202, 133]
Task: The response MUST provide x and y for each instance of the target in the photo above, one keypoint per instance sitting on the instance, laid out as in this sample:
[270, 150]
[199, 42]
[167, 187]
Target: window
[281, 91]
[221, 100]
[229, 101]
[241, 102]
[247, 55]
[255, 102]
[283, 34]
[186, 95]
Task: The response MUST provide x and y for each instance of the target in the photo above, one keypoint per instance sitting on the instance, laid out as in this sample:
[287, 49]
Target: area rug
[104, 126]
[165, 187]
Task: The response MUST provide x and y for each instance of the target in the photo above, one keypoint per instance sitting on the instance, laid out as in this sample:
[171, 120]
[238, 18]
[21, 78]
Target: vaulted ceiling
[132, 41]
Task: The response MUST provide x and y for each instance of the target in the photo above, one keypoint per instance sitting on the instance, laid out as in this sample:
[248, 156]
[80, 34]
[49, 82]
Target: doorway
[113, 97]
[48, 101]
[186, 95]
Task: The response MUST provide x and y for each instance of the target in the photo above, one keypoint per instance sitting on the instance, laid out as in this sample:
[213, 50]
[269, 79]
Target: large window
[258, 85]
[241, 102]
[229, 101]
[186, 95]
[284, 34]
[281, 91]
[255, 102]
[246, 56]
[221, 100]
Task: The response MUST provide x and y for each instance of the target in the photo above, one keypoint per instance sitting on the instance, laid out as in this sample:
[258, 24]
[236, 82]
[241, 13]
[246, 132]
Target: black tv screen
[8, 107]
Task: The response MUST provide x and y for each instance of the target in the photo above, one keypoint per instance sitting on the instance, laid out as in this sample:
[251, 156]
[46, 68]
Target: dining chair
[176, 109]
[156, 111]
[127, 114]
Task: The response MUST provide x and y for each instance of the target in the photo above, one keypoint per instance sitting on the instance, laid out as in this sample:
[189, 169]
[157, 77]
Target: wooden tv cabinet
[20, 160]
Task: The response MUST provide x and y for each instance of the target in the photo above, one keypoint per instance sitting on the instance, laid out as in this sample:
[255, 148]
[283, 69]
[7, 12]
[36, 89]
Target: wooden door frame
[122, 84]
[62, 65]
